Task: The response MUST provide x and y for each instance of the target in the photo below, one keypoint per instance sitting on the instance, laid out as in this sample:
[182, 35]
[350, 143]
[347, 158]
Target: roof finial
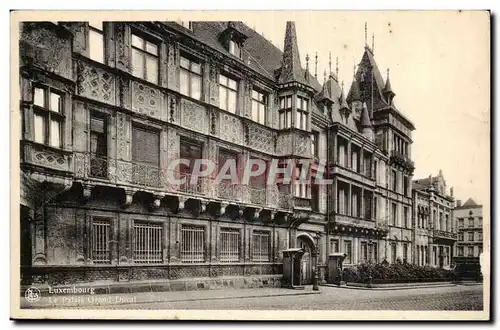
[354, 70]
[330, 62]
[316, 67]
[373, 43]
[337, 67]
[324, 76]
[366, 34]
[307, 67]
[387, 73]
[342, 84]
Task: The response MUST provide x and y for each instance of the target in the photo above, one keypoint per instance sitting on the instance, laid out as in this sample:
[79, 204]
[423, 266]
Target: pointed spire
[343, 103]
[306, 74]
[291, 69]
[373, 43]
[324, 76]
[337, 67]
[366, 34]
[388, 93]
[330, 62]
[354, 93]
[316, 66]
[365, 117]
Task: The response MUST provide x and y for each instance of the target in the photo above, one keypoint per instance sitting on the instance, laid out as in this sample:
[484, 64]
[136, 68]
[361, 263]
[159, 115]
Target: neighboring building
[105, 107]
[434, 230]
[469, 220]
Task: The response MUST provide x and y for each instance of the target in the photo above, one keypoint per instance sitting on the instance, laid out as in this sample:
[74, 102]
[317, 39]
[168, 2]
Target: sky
[439, 70]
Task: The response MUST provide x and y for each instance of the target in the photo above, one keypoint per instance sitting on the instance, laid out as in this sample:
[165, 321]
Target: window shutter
[145, 146]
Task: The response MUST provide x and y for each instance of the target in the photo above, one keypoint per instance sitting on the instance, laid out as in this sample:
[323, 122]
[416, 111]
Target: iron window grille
[229, 245]
[192, 244]
[148, 243]
[101, 253]
[260, 248]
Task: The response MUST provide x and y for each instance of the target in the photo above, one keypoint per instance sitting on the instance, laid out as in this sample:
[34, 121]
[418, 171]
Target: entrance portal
[306, 263]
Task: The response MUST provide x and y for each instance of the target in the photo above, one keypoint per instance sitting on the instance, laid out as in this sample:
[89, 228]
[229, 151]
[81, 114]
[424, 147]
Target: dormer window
[186, 24]
[234, 48]
[232, 39]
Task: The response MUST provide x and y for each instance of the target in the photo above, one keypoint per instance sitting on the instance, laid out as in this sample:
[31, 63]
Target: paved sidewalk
[75, 301]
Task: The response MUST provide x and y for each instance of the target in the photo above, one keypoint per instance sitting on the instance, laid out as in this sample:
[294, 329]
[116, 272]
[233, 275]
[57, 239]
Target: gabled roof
[470, 203]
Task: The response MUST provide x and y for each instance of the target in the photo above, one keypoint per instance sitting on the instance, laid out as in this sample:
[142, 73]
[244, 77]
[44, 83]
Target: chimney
[459, 203]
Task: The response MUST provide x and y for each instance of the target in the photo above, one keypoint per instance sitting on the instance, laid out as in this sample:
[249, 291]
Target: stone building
[469, 221]
[434, 230]
[107, 106]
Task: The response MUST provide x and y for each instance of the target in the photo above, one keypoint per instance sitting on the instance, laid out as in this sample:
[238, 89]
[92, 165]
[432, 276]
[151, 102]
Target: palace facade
[469, 220]
[106, 106]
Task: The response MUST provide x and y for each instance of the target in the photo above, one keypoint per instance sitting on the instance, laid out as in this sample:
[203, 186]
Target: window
[144, 59]
[375, 168]
[148, 242]
[405, 252]
[405, 214]
[226, 188]
[98, 146]
[259, 106]
[186, 24]
[228, 91]
[145, 156]
[234, 48]
[48, 116]
[394, 214]
[406, 186]
[314, 144]
[364, 251]
[229, 245]
[471, 236]
[302, 108]
[393, 253]
[374, 256]
[460, 251]
[190, 78]
[96, 41]
[480, 222]
[301, 190]
[334, 245]
[101, 253]
[394, 181]
[315, 197]
[460, 223]
[348, 252]
[192, 244]
[260, 246]
[460, 236]
[470, 251]
[375, 204]
[190, 150]
[285, 113]
[479, 236]
[471, 223]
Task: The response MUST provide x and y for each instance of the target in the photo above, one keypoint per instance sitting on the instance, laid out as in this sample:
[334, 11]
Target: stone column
[362, 211]
[335, 196]
[349, 158]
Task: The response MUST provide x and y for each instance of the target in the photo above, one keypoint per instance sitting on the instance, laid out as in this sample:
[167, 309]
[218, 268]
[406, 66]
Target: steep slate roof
[291, 69]
[258, 52]
[365, 117]
[354, 94]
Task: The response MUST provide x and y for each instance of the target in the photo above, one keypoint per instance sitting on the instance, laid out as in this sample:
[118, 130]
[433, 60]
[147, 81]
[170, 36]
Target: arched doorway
[305, 243]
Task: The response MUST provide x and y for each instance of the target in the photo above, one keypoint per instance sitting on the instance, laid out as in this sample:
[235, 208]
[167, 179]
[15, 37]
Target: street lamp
[315, 265]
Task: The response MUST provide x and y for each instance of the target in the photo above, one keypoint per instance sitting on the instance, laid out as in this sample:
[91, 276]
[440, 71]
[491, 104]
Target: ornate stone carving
[193, 116]
[50, 159]
[223, 207]
[156, 202]
[214, 115]
[46, 48]
[260, 138]
[123, 171]
[123, 58]
[79, 160]
[214, 84]
[146, 100]
[302, 145]
[87, 192]
[284, 144]
[172, 108]
[172, 65]
[231, 128]
[129, 198]
[182, 204]
[96, 83]
[122, 136]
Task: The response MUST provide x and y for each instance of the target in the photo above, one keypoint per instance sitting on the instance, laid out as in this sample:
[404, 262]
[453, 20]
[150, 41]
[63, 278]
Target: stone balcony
[356, 221]
[402, 160]
[442, 234]
[337, 169]
[95, 169]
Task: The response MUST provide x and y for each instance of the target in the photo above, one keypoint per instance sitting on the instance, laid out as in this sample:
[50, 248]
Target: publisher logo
[32, 294]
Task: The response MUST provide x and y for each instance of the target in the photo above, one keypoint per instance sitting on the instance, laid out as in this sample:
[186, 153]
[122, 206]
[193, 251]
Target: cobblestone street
[459, 297]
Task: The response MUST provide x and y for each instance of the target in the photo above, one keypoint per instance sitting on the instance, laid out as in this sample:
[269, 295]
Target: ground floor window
[148, 242]
[229, 245]
[100, 241]
[393, 253]
[348, 252]
[405, 252]
[334, 245]
[470, 251]
[364, 251]
[374, 252]
[192, 244]
[460, 251]
[260, 245]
